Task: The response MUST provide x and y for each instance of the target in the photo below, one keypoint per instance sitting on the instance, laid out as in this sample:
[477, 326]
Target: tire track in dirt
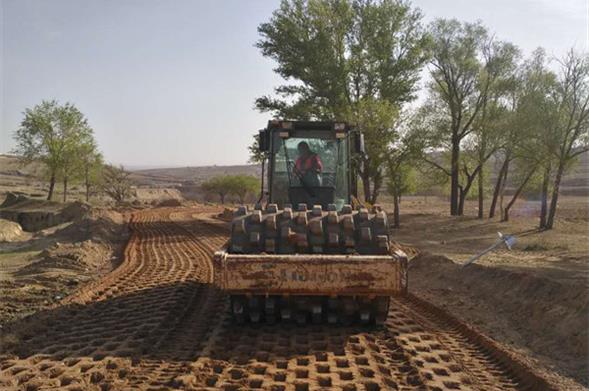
[181, 344]
[156, 323]
[99, 338]
[411, 352]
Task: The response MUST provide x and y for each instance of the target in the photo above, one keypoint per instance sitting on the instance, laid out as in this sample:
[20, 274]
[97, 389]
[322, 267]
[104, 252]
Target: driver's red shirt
[312, 161]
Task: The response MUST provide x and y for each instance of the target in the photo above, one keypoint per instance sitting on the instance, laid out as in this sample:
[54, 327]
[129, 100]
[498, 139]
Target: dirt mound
[35, 215]
[10, 231]
[56, 261]
[12, 199]
[531, 313]
[157, 194]
[98, 225]
[75, 210]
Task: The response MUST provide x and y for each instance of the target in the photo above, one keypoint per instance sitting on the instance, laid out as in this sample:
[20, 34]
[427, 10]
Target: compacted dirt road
[157, 323]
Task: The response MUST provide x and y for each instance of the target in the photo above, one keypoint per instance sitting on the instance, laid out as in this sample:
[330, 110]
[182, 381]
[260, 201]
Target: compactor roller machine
[307, 255]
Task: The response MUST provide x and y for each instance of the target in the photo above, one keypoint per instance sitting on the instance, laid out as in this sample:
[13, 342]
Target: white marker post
[509, 241]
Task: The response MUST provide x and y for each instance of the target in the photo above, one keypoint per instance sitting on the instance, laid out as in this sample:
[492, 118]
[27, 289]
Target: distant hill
[29, 178]
[190, 175]
[575, 183]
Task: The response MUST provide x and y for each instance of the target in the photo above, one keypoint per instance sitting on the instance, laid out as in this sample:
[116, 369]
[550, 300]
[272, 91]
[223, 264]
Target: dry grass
[561, 253]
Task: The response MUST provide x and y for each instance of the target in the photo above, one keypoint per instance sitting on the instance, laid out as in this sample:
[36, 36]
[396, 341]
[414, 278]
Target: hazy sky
[172, 83]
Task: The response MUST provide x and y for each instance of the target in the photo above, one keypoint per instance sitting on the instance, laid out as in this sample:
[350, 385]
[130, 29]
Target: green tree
[492, 127]
[220, 185]
[532, 120]
[400, 180]
[52, 134]
[379, 119]
[570, 133]
[91, 165]
[466, 70]
[526, 118]
[257, 156]
[402, 156]
[242, 185]
[79, 141]
[345, 58]
[522, 176]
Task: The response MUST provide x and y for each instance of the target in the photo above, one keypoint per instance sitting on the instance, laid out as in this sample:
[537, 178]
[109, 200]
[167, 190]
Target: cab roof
[309, 125]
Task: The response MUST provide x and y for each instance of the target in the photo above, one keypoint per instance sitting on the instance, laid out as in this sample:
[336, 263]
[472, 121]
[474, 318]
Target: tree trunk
[396, 211]
[87, 183]
[498, 186]
[366, 186]
[481, 195]
[554, 200]
[222, 196]
[464, 190]
[461, 198]
[51, 187]
[544, 197]
[516, 195]
[454, 171]
[375, 188]
[502, 192]
[65, 188]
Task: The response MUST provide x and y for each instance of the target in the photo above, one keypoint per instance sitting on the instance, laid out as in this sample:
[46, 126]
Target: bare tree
[116, 183]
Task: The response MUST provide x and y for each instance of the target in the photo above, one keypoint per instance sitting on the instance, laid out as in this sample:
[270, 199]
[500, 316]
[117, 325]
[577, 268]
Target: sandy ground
[39, 269]
[561, 253]
[156, 323]
[534, 298]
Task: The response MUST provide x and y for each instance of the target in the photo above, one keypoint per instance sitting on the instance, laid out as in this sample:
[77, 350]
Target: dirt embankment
[41, 268]
[540, 317]
[34, 215]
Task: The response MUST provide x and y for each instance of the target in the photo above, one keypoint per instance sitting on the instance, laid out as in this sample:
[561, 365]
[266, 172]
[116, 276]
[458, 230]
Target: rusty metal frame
[311, 274]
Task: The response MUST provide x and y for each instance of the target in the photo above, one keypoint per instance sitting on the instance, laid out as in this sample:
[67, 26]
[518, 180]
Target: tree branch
[436, 165]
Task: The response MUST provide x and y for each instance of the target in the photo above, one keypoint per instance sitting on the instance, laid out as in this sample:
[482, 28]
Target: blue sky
[172, 83]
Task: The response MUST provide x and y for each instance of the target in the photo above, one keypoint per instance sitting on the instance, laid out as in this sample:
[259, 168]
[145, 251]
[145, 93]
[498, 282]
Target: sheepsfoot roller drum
[318, 266]
[321, 261]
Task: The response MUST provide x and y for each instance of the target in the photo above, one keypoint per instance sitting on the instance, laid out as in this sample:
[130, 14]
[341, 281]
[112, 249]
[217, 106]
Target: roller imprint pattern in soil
[156, 323]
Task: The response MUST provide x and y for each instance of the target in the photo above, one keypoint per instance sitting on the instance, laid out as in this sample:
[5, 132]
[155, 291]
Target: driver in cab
[308, 165]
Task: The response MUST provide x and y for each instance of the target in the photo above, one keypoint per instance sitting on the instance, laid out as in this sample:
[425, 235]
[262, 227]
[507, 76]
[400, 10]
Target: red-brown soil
[155, 322]
[538, 317]
[534, 298]
[40, 269]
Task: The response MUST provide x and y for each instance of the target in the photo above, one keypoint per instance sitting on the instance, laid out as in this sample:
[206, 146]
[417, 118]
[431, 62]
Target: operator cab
[310, 162]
